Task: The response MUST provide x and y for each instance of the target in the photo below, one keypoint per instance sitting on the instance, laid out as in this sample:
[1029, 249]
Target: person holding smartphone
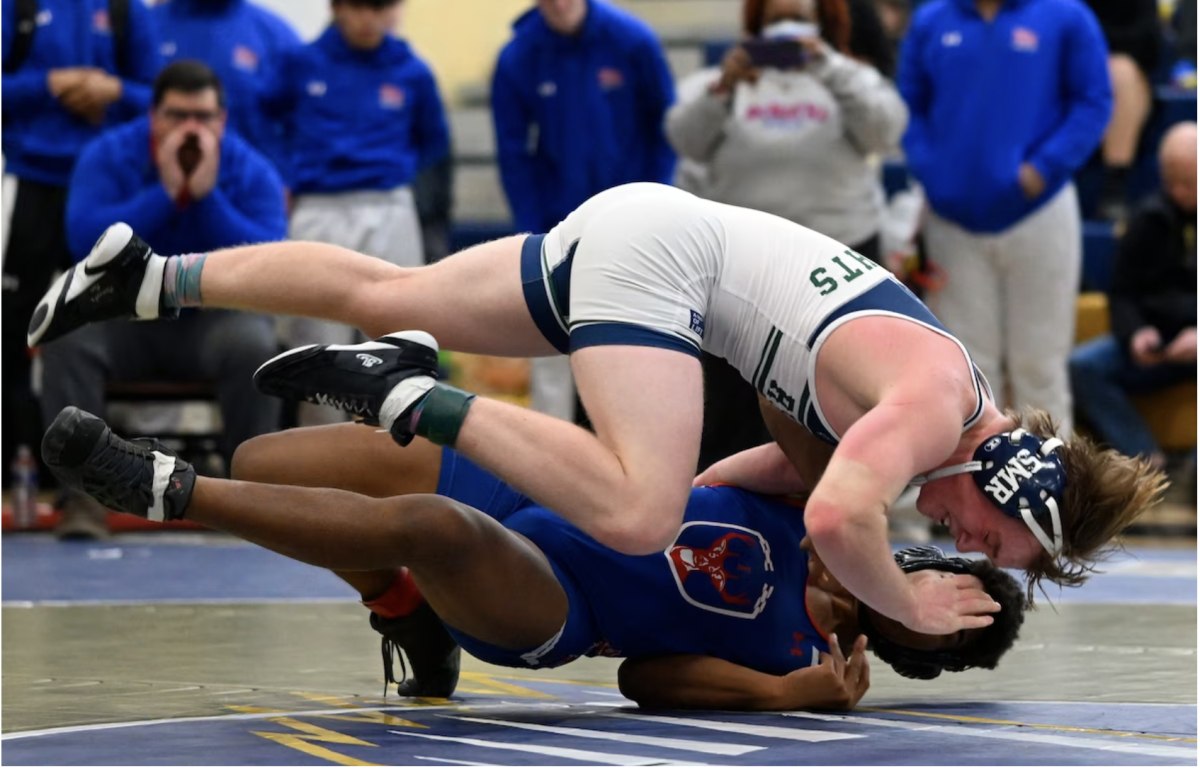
[1152, 305]
[788, 122]
[788, 125]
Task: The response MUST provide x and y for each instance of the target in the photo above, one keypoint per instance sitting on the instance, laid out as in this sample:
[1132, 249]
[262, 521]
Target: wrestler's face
[976, 524]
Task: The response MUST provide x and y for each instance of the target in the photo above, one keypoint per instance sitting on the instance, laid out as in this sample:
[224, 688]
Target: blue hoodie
[1030, 86]
[41, 139]
[356, 120]
[116, 180]
[596, 100]
[241, 41]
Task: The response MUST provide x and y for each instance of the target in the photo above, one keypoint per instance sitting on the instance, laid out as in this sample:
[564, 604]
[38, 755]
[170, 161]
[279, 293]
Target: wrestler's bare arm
[911, 430]
[708, 683]
[793, 464]
[763, 469]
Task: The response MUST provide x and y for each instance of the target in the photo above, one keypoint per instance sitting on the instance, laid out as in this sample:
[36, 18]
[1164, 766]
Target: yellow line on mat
[996, 721]
[552, 680]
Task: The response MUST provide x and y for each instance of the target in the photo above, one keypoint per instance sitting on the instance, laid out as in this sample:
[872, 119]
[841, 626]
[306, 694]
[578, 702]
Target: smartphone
[776, 54]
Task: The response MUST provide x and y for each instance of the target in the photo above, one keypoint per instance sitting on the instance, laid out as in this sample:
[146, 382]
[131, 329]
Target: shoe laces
[122, 464]
[359, 406]
[391, 650]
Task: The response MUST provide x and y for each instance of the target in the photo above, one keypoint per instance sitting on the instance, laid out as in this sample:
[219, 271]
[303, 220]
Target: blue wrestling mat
[503, 719]
[187, 567]
[515, 721]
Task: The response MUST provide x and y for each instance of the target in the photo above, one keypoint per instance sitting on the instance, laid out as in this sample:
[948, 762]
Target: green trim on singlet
[773, 339]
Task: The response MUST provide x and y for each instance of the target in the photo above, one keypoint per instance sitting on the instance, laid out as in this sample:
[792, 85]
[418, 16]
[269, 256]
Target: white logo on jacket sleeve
[369, 360]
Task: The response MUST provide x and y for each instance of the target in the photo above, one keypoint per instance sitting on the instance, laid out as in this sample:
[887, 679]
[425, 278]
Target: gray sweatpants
[1010, 298]
[383, 224]
[218, 346]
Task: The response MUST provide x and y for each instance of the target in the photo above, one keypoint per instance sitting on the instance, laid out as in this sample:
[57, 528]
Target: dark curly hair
[988, 644]
[834, 16]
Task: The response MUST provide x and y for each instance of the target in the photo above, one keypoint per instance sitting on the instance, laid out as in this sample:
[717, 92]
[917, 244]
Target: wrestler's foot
[433, 654]
[141, 477]
[356, 378]
[120, 278]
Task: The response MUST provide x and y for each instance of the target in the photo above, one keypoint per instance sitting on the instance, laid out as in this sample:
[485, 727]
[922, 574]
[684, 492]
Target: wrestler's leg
[481, 578]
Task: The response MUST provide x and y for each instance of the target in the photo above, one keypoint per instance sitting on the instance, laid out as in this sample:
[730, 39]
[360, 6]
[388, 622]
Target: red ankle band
[399, 600]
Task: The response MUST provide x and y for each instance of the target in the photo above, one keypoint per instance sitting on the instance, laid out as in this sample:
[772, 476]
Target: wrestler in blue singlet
[731, 586]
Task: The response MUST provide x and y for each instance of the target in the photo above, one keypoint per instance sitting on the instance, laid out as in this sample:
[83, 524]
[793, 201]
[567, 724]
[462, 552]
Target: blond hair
[1105, 492]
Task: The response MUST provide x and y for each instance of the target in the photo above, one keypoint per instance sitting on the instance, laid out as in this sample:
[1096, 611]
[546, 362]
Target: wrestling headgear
[912, 663]
[1021, 474]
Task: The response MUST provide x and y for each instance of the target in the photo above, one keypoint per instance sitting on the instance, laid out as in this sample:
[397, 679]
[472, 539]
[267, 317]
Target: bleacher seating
[1171, 413]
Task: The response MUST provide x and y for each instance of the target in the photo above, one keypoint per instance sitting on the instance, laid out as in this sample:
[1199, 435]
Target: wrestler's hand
[947, 603]
[835, 684]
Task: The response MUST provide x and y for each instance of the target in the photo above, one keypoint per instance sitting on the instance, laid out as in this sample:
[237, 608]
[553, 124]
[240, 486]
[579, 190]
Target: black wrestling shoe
[433, 654]
[120, 278]
[356, 378]
[141, 477]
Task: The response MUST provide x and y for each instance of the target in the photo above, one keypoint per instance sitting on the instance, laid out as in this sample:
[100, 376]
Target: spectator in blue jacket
[579, 97]
[1007, 99]
[185, 185]
[74, 72]
[591, 83]
[362, 116]
[241, 41]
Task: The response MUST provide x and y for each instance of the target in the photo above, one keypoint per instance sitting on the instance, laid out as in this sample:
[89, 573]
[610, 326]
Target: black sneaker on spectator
[83, 518]
[120, 278]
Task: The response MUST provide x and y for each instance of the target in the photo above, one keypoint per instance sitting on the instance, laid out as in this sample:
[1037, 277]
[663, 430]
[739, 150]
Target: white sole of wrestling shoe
[420, 337]
[74, 282]
[351, 377]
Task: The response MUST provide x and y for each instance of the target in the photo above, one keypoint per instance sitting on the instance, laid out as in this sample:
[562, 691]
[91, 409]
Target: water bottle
[24, 488]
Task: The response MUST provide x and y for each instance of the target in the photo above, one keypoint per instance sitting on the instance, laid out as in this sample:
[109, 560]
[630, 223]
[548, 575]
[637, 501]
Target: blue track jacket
[241, 41]
[1029, 86]
[356, 120]
[116, 180]
[41, 139]
[577, 115]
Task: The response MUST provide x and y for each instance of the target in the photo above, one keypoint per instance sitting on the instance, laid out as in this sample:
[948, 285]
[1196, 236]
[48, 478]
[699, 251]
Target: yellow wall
[461, 38]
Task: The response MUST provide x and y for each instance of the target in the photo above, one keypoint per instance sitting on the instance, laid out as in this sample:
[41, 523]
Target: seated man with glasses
[192, 187]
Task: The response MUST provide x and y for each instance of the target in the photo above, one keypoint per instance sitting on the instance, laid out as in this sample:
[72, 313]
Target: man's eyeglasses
[199, 115]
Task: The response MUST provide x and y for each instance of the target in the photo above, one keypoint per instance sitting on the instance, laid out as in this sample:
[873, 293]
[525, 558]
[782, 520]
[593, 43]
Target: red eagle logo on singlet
[712, 563]
[722, 568]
